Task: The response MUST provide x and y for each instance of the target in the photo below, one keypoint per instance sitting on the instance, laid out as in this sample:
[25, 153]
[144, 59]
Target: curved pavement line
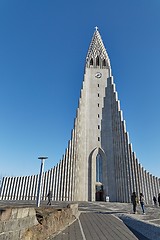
[80, 225]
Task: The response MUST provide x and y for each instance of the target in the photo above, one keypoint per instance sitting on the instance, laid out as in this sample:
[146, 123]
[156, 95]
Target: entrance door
[99, 192]
[99, 186]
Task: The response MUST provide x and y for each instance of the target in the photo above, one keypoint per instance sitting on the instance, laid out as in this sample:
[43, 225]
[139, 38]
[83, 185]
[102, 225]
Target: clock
[98, 75]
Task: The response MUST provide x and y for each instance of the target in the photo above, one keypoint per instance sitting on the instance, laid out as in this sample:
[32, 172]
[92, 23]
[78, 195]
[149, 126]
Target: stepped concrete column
[62, 180]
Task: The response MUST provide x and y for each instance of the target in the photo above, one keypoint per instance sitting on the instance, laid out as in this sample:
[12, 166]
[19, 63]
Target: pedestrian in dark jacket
[159, 199]
[134, 201]
[49, 195]
[155, 200]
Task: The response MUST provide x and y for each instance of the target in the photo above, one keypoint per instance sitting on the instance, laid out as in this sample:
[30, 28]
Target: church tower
[91, 158]
[99, 160]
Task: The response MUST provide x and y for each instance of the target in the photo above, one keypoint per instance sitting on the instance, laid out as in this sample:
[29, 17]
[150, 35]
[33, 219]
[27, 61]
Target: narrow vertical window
[98, 94]
[98, 104]
[99, 168]
[97, 61]
[98, 84]
[104, 63]
[98, 126]
[91, 62]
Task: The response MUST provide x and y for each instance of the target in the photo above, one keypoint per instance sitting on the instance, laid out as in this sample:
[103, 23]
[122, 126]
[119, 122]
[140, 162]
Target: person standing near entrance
[142, 202]
[134, 201]
[159, 199]
[155, 201]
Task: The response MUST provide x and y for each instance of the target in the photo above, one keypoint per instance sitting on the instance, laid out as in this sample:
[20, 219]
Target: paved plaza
[106, 220]
[100, 221]
[96, 226]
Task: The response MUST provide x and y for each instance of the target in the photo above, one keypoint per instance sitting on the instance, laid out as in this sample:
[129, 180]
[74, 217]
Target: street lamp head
[42, 157]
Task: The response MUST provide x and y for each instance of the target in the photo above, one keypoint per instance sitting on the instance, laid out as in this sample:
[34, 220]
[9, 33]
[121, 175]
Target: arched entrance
[97, 175]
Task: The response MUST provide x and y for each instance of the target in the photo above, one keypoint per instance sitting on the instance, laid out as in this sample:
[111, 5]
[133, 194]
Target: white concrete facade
[99, 160]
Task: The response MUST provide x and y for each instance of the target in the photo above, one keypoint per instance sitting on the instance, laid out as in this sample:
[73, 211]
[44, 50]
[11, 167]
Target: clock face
[98, 75]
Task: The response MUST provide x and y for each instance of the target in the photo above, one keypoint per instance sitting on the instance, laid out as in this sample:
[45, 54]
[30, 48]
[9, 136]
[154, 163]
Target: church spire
[97, 55]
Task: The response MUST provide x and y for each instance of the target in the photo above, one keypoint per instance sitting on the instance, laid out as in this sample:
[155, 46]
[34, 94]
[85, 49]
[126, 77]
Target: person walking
[142, 202]
[134, 201]
[159, 199]
[49, 195]
[155, 201]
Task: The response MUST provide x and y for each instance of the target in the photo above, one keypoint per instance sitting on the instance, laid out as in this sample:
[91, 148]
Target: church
[99, 162]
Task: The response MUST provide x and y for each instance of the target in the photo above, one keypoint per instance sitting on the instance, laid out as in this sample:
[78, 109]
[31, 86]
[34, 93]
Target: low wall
[14, 221]
[35, 223]
[150, 231]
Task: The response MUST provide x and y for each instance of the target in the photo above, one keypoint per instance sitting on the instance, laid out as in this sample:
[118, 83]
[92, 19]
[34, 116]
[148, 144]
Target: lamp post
[40, 180]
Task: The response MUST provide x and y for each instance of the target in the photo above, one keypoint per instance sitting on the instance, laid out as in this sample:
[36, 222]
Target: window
[97, 61]
[98, 84]
[98, 94]
[98, 126]
[98, 139]
[98, 104]
[104, 63]
[98, 115]
[98, 168]
[91, 62]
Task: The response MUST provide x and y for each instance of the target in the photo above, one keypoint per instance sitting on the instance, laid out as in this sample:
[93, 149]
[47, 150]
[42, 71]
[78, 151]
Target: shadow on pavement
[137, 234]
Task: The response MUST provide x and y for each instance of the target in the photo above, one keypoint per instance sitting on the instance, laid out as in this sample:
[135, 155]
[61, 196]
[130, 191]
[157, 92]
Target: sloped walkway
[101, 220]
[96, 226]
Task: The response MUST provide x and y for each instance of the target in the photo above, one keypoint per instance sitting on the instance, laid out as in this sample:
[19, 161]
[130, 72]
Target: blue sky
[43, 45]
